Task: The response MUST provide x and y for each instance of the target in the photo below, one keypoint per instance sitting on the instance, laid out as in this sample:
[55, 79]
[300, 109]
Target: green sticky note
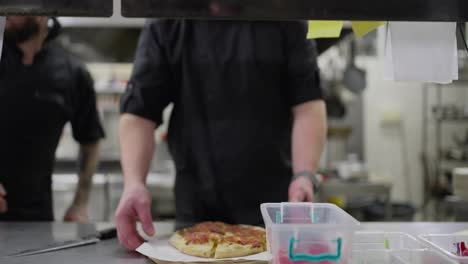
[362, 28]
[324, 29]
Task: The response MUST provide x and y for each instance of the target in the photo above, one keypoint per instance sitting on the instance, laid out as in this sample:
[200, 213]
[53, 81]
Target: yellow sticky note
[324, 29]
[362, 28]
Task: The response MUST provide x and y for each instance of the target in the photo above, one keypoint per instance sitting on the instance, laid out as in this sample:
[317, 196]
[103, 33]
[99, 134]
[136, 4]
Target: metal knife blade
[93, 239]
[56, 246]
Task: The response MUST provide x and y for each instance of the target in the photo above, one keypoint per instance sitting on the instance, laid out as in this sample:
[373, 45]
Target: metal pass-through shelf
[85, 8]
[389, 10]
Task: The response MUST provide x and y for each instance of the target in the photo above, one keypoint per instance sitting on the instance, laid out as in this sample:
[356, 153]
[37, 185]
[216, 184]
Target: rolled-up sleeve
[149, 88]
[303, 76]
[86, 124]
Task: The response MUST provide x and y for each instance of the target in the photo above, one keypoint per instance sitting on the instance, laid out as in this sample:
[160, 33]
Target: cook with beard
[42, 88]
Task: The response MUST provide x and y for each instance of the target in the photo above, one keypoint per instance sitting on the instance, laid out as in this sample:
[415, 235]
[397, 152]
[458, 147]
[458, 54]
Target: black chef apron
[233, 85]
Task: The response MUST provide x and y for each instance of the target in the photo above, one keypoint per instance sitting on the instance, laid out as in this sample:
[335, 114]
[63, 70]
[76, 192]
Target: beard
[26, 32]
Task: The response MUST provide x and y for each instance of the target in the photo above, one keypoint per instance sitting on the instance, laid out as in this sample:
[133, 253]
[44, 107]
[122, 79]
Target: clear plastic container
[447, 245]
[434, 257]
[392, 248]
[299, 233]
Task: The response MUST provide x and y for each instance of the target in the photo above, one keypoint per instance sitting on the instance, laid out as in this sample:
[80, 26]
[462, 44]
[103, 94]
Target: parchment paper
[162, 252]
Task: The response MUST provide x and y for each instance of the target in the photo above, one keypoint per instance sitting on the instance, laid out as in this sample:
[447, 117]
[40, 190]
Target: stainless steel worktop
[15, 237]
[18, 236]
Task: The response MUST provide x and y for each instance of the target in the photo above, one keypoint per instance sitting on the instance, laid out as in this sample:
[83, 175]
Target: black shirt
[233, 85]
[35, 103]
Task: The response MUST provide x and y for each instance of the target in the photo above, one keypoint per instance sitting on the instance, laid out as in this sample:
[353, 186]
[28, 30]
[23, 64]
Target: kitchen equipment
[308, 232]
[92, 239]
[353, 77]
[450, 112]
[335, 106]
[460, 183]
[446, 244]
[337, 140]
[352, 168]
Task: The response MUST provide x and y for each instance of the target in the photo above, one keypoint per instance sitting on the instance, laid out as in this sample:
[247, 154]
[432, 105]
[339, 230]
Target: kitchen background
[391, 150]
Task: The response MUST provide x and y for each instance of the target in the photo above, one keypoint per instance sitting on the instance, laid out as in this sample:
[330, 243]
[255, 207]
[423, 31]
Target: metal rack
[435, 163]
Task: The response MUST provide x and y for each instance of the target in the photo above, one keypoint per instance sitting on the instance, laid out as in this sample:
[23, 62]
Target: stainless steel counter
[15, 237]
[18, 236]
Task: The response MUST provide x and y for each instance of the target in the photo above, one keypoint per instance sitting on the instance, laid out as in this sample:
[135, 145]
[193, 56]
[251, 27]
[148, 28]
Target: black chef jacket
[35, 103]
[233, 85]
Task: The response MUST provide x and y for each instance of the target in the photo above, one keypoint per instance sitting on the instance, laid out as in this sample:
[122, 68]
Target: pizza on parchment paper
[219, 240]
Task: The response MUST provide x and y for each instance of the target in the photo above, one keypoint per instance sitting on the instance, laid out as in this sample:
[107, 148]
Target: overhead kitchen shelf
[387, 10]
[86, 8]
[115, 21]
[378, 10]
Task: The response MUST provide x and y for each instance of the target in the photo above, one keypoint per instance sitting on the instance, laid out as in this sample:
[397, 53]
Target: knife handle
[109, 233]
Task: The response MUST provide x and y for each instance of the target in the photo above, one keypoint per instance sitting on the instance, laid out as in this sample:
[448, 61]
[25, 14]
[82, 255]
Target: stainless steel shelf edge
[82, 8]
[395, 10]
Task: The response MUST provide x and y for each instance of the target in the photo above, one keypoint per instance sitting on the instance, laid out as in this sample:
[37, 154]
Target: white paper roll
[421, 52]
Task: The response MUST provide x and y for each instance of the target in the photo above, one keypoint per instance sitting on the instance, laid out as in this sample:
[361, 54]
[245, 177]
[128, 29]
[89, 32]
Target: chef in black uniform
[248, 124]
[41, 89]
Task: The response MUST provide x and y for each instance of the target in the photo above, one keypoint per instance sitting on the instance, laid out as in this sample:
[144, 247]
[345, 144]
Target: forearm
[308, 135]
[87, 163]
[136, 148]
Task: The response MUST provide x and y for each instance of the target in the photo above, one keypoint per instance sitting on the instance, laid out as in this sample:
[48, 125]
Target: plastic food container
[392, 248]
[447, 245]
[299, 233]
[434, 257]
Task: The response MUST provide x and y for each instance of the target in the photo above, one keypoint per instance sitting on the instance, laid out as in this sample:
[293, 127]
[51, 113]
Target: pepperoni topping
[197, 238]
[214, 227]
[254, 242]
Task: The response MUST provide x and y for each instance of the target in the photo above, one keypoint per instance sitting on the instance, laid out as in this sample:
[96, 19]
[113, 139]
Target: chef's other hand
[3, 202]
[301, 190]
[134, 205]
[78, 214]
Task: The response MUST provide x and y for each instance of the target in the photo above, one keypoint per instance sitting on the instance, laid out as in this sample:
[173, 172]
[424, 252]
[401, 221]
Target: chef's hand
[78, 214]
[301, 190]
[3, 202]
[134, 205]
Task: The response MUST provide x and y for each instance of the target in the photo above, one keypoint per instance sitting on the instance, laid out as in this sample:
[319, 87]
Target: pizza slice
[195, 244]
